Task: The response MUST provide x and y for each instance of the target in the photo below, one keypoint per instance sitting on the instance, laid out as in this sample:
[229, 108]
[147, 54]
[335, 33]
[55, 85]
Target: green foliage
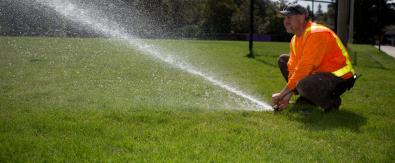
[370, 19]
[97, 100]
[219, 14]
[189, 19]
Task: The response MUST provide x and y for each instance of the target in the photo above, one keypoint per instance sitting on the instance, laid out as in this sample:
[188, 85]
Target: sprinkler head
[276, 108]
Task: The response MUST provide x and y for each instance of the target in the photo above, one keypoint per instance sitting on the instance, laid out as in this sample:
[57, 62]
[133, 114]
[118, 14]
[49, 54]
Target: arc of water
[114, 30]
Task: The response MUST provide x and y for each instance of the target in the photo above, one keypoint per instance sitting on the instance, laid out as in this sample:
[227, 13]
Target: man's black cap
[295, 9]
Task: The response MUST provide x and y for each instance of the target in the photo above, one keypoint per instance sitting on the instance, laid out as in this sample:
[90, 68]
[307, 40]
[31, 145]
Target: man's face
[294, 23]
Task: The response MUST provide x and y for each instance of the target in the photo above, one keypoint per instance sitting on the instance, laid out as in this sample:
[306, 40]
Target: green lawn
[70, 99]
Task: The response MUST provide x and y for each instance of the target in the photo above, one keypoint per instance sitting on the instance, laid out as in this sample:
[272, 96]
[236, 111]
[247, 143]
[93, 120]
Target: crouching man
[318, 67]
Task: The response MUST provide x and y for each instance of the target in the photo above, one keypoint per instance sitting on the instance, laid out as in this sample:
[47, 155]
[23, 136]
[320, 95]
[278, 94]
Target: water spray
[97, 21]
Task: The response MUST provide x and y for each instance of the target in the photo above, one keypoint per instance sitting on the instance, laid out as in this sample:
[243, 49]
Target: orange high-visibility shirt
[315, 51]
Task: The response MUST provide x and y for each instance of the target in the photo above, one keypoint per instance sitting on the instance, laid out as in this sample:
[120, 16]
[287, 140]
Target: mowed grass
[70, 99]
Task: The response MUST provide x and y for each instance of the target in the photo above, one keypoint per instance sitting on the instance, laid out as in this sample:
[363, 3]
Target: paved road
[390, 50]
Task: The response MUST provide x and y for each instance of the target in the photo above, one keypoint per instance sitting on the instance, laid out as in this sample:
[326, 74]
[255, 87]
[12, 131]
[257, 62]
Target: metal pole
[351, 27]
[342, 18]
[250, 47]
[312, 12]
[379, 20]
[336, 14]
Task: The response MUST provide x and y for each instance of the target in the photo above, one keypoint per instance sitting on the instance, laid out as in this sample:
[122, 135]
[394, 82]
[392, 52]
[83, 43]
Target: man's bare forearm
[285, 91]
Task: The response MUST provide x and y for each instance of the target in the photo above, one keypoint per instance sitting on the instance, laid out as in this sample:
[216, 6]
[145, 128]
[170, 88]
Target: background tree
[308, 8]
[191, 18]
[370, 19]
[219, 16]
[319, 15]
[274, 22]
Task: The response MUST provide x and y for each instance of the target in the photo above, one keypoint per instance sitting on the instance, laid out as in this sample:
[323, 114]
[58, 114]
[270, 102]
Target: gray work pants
[317, 88]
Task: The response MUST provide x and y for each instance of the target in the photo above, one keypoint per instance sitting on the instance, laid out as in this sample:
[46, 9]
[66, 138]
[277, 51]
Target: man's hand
[281, 100]
[283, 103]
[276, 98]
